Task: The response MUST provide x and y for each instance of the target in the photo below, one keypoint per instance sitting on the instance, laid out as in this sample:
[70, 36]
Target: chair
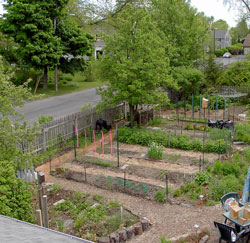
[226, 231]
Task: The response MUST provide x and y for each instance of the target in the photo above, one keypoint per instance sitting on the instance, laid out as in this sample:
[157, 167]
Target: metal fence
[57, 131]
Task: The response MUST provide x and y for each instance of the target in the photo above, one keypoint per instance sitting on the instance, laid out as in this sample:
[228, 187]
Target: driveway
[59, 106]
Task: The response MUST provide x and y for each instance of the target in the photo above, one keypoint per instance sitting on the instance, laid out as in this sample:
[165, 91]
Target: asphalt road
[59, 106]
[228, 61]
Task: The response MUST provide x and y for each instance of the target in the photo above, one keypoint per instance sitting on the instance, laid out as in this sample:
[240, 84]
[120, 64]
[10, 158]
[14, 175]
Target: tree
[75, 45]
[14, 196]
[212, 71]
[237, 74]
[190, 80]
[186, 29]
[242, 5]
[135, 62]
[30, 24]
[220, 24]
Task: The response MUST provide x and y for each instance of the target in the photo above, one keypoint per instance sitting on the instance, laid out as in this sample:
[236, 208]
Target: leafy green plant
[86, 107]
[164, 240]
[55, 187]
[67, 205]
[203, 178]
[160, 196]
[155, 151]
[44, 119]
[98, 198]
[156, 121]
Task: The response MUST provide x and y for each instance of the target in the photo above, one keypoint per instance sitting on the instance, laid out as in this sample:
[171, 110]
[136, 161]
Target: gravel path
[168, 220]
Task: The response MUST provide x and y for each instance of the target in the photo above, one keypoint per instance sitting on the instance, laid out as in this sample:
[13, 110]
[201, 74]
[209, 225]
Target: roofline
[47, 229]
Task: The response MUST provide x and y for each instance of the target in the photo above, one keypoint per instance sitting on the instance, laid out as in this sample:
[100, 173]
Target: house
[221, 38]
[246, 45]
[16, 231]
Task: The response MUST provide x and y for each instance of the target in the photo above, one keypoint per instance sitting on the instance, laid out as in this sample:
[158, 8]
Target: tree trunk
[132, 111]
[56, 78]
[45, 78]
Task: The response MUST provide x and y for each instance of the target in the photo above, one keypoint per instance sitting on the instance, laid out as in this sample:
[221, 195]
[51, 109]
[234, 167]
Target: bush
[44, 119]
[160, 196]
[68, 78]
[202, 179]
[156, 121]
[155, 151]
[181, 141]
[242, 132]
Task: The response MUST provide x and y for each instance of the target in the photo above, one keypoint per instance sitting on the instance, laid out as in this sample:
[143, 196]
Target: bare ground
[168, 220]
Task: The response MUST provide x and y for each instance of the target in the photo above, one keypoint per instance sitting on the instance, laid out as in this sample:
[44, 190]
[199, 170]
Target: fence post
[224, 113]
[167, 185]
[185, 107]
[39, 217]
[45, 212]
[216, 109]
[169, 139]
[44, 140]
[200, 108]
[74, 138]
[226, 144]
[125, 111]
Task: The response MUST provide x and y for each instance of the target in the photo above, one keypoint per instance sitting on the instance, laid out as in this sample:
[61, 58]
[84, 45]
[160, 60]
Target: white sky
[217, 9]
[209, 7]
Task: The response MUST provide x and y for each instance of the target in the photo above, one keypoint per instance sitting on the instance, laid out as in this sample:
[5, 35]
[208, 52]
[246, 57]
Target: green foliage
[156, 121]
[65, 206]
[242, 132]
[236, 74]
[220, 24]
[140, 65]
[86, 107]
[15, 196]
[145, 137]
[164, 240]
[98, 198]
[212, 70]
[203, 179]
[216, 133]
[155, 151]
[183, 33]
[54, 188]
[44, 119]
[160, 196]
[90, 215]
[189, 80]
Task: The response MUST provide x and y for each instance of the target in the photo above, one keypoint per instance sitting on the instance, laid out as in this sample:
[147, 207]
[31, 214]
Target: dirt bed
[168, 220]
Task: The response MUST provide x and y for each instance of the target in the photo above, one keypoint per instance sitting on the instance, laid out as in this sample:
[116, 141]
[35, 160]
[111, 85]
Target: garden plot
[143, 177]
[85, 215]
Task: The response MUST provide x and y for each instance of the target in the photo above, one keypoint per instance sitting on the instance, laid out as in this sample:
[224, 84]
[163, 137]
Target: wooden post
[125, 111]
[39, 217]
[45, 212]
[169, 139]
[192, 106]
[74, 138]
[226, 144]
[166, 185]
[44, 140]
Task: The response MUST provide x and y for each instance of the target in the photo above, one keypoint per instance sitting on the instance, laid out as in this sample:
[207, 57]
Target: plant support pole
[166, 185]
[117, 142]
[192, 106]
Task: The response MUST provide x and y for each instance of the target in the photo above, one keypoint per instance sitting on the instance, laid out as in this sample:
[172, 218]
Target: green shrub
[65, 206]
[242, 132]
[156, 121]
[68, 78]
[202, 178]
[98, 198]
[44, 119]
[181, 141]
[164, 240]
[160, 196]
[155, 151]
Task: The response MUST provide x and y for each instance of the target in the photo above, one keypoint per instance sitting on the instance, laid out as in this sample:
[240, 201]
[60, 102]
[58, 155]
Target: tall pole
[56, 69]
[214, 40]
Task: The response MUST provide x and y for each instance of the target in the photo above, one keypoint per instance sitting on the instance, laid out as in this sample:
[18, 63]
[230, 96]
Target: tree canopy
[220, 24]
[32, 25]
[135, 62]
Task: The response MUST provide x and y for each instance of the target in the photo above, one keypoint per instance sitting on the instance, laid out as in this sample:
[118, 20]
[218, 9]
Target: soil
[168, 220]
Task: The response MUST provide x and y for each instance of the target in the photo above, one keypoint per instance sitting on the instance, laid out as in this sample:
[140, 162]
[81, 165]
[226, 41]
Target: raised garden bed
[91, 217]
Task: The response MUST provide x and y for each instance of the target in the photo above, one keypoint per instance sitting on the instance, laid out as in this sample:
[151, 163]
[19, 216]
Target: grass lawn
[67, 83]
